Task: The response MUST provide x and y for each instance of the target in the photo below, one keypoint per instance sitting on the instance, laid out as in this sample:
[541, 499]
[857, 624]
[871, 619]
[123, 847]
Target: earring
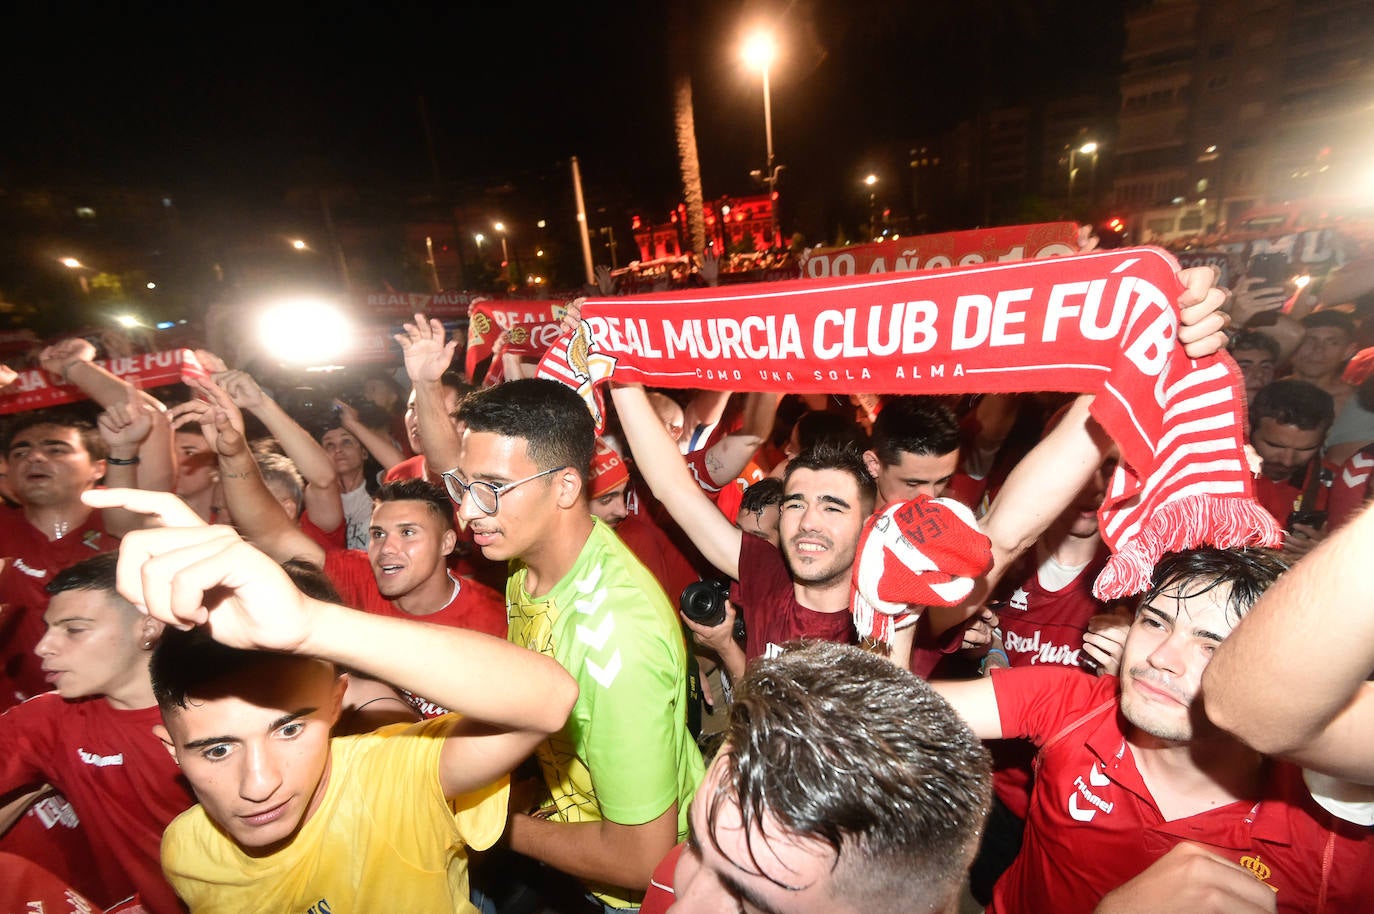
[147, 645]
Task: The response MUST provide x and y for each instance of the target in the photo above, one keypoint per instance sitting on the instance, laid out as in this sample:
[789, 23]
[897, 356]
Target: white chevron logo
[1098, 777]
[605, 675]
[1358, 463]
[597, 638]
[590, 604]
[588, 584]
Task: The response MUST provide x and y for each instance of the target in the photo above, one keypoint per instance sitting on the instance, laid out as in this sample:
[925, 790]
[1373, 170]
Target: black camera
[704, 603]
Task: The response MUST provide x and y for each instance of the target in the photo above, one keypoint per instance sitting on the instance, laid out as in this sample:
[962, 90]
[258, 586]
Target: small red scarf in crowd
[1104, 323]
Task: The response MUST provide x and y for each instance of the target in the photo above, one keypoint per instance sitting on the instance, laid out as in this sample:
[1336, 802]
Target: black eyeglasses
[486, 496]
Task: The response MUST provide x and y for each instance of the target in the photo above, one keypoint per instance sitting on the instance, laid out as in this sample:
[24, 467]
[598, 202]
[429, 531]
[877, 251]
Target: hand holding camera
[709, 614]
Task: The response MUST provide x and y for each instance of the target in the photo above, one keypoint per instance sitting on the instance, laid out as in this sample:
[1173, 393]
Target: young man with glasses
[621, 772]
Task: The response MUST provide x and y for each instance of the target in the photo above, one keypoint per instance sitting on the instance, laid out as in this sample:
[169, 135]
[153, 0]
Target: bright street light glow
[479, 238]
[152, 285]
[71, 263]
[298, 244]
[1088, 148]
[304, 331]
[871, 180]
[759, 50]
[542, 224]
[127, 320]
[499, 226]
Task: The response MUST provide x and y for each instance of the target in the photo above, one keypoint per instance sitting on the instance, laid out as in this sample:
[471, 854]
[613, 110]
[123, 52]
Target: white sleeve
[1343, 799]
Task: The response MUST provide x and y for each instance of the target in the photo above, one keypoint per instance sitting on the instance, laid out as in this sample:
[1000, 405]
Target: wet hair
[421, 490]
[549, 416]
[845, 458]
[920, 425]
[280, 470]
[95, 573]
[761, 495]
[1330, 318]
[839, 745]
[1292, 402]
[1254, 339]
[90, 435]
[189, 663]
[1193, 572]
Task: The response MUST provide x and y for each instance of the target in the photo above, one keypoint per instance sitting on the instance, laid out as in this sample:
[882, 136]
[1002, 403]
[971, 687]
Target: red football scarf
[1103, 323]
[36, 389]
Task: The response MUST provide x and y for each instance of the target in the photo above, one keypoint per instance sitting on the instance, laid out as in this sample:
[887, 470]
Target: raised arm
[666, 473]
[1291, 679]
[509, 698]
[256, 512]
[138, 437]
[427, 357]
[322, 495]
[73, 360]
[378, 445]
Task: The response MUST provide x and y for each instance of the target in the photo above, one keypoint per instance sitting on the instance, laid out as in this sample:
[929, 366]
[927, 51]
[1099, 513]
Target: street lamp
[1089, 148]
[759, 51]
[872, 182]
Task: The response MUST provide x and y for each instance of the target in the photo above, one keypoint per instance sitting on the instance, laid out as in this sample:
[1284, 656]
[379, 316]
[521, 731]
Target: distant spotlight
[152, 285]
[542, 223]
[166, 325]
[71, 263]
[304, 331]
[298, 244]
[127, 320]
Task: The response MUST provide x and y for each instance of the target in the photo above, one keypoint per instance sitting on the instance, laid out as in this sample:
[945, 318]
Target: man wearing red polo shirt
[1130, 768]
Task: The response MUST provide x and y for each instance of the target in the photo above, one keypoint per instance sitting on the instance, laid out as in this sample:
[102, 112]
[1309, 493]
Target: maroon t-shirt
[772, 615]
[652, 547]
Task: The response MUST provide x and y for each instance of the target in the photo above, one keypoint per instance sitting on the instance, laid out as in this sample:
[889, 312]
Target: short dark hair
[821, 425]
[90, 435]
[1254, 339]
[1292, 402]
[831, 456]
[1248, 573]
[841, 746]
[422, 490]
[760, 495]
[1331, 318]
[912, 424]
[550, 416]
[187, 663]
[94, 573]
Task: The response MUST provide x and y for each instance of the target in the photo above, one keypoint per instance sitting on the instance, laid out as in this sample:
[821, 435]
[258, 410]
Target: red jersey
[411, 468]
[49, 835]
[117, 775]
[34, 561]
[772, 615]
[661, 893]
[1038, 626]
[29, 887]
[652, 547]
[332, 539]
[471, 606]
[1282, 497]
[1093, 823]
[1350, 488]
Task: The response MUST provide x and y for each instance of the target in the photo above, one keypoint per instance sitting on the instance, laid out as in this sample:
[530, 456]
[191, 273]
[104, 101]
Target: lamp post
[872, 182]
[1089, 148]
[759, 51]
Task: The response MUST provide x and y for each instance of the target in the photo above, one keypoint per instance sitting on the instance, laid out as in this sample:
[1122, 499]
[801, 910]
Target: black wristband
[121, 462]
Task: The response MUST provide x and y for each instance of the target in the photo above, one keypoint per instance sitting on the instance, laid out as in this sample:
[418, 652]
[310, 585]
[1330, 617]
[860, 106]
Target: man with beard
[1130, 768]
[1288, 422]
[797, 590]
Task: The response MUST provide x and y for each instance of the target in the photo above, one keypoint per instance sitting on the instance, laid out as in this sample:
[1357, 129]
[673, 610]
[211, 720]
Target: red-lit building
[733, 224]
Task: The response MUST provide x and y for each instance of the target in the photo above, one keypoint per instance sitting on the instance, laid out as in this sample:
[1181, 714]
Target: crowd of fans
[420, 649]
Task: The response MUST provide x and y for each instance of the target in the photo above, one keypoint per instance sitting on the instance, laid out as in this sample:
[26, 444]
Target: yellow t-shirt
[384, 838]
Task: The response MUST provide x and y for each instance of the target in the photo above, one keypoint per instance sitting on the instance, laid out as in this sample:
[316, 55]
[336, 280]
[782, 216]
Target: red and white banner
[533, 327]
[1104, 323]
[36, 389]
[948, 249]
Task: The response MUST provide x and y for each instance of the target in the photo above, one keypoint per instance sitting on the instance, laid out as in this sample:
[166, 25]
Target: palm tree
[685, 126]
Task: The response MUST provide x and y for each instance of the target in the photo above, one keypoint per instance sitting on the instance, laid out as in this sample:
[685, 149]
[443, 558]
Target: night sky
[225, 103]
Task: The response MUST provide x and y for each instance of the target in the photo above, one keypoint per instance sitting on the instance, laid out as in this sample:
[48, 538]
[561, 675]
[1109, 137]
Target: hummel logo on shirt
[100, 761]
